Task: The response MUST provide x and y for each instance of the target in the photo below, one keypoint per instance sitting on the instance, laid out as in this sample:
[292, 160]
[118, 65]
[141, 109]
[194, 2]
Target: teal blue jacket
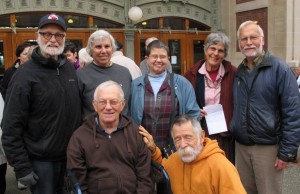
[183, 90]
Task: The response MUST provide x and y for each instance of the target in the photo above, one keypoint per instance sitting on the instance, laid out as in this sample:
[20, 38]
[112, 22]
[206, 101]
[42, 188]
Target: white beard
[52, 51]
[189, 154]
[250, 53]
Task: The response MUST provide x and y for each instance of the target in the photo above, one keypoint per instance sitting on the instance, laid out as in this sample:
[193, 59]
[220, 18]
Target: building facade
[279, 19]
[182, 24]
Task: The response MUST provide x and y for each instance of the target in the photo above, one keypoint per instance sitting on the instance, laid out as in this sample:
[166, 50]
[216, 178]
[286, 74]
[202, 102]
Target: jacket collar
[198, 65]
[265, 63]
[48, 62]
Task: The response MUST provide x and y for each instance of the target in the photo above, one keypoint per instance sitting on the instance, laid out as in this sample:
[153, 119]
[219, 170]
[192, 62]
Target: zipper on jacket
[248, 106]
[57, 70]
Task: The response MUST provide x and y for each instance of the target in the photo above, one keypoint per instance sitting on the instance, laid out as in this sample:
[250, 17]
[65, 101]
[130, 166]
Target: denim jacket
[183, 90]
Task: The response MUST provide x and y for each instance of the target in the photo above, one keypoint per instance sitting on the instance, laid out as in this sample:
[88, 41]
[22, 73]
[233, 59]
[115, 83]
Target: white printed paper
[215, 119]
[173, 59]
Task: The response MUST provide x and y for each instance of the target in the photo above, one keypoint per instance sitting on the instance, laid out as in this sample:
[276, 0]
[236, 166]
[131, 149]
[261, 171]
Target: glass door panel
[139, 45]
[177, 43]
[77, 42]
[143, 49]
[175, 55]
[195, 48]
[198, 47]
[6, 51]
[1, 59]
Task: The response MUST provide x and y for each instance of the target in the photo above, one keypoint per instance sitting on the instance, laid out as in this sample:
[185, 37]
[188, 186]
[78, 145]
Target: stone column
[129, 42]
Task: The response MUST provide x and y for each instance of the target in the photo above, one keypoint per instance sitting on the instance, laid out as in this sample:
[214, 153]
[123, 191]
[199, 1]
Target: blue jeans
[51, 177]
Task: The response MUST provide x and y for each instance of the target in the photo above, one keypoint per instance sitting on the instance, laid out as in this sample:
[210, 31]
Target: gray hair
[246, 23]
[185, 119]
[216, 38]
[106, 84]
[84, 57]
[159, 45]
[100, 35]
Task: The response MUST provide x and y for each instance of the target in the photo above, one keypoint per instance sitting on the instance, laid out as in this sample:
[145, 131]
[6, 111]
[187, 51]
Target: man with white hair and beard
[42, 109]
[199, 166]
[266, 114]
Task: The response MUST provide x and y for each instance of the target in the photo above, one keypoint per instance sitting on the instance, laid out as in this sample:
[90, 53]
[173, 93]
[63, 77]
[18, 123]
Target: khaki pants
[256, 166]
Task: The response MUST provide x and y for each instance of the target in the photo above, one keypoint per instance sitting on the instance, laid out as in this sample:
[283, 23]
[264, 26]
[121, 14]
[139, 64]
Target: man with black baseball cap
[43, 108]
[53, 19]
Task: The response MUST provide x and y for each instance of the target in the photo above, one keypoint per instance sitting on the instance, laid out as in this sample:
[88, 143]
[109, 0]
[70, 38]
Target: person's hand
[203, 113]
[148, 139]
[280, 164]
[29, 180]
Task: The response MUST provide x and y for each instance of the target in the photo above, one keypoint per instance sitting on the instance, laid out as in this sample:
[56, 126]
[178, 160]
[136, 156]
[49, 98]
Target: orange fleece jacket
[210, 173]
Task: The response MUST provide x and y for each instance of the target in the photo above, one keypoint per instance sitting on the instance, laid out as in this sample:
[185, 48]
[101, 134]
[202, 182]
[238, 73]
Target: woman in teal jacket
[151, 100]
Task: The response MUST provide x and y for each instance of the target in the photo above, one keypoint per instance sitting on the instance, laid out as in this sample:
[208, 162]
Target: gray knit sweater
[92, 75]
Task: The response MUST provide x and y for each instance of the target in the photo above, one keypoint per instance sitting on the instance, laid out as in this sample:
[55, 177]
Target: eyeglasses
[213, 49]
[155, 57]
[252, 38]
[112, 102]
[48, 36]
[187, 139]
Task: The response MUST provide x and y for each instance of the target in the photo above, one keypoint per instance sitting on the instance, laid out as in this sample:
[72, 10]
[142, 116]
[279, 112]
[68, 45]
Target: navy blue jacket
[268, 111]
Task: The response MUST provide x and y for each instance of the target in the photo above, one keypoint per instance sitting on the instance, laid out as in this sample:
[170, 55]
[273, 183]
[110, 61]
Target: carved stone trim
[205, 12]
[242, 1]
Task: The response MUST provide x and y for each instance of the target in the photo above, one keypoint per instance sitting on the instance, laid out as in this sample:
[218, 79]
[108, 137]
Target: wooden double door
[185, 48]
[9, 40]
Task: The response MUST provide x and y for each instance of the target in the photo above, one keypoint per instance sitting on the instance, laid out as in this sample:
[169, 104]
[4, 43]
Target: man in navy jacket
[266, 116]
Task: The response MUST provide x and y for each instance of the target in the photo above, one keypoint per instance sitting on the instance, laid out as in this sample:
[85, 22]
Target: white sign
[215, 119]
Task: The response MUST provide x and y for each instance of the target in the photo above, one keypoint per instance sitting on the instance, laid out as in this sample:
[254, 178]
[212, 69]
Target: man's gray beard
[259, 51]
[193, 152]
[50, 51]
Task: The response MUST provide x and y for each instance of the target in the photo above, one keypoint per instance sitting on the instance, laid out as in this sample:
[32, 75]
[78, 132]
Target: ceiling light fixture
[70, 21]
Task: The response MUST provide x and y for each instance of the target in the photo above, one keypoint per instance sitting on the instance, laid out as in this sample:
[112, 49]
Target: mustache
[49, 44]
[249, 47]
[185, 151]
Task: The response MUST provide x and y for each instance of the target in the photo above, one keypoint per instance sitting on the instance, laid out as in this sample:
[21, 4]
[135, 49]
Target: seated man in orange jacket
[199, 166]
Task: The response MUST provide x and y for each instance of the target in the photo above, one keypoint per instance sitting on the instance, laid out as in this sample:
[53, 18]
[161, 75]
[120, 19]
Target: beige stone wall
[278, 27]
[296, 50]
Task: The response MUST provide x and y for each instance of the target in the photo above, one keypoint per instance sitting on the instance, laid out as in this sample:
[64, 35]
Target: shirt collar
[221, 72]
[256, 61]
[100, 128]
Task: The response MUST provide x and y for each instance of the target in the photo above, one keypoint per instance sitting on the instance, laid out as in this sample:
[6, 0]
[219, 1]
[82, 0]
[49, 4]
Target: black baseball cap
[53, 19]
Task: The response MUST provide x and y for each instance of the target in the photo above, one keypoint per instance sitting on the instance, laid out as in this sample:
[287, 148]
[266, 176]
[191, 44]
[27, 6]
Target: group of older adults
[106, 127]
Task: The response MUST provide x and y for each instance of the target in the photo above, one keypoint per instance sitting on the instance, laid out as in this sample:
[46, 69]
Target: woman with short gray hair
[212, 79]
[100, 35]
[216, 38]
[100, 47]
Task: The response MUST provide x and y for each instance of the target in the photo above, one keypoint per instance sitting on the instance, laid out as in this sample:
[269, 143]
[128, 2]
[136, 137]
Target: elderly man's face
[109, 105]
[51, 40]
[187, 143]
[297, 71]
[251, 42]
